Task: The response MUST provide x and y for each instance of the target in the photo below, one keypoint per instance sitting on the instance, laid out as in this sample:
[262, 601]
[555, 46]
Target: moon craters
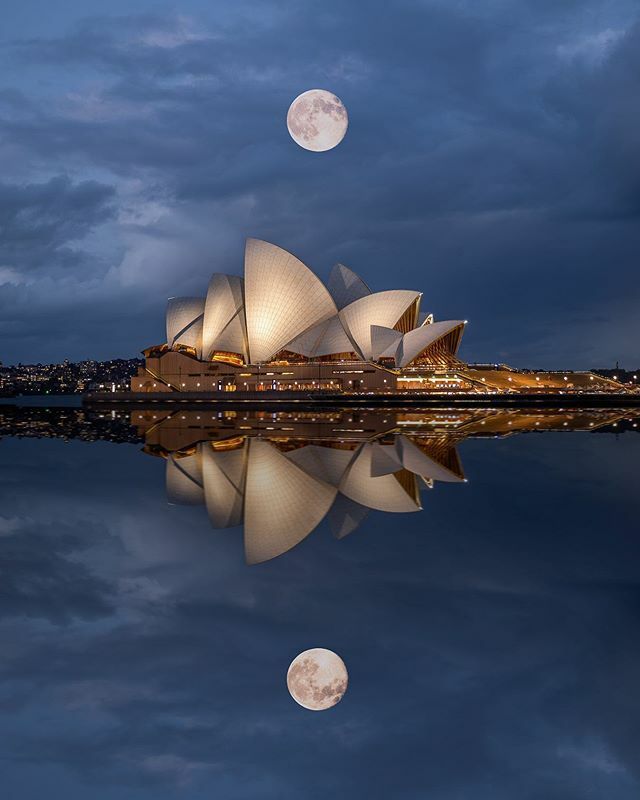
[317, 679]
[317, 120]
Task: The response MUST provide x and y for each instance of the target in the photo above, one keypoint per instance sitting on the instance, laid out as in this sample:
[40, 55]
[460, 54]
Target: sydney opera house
[279, 328]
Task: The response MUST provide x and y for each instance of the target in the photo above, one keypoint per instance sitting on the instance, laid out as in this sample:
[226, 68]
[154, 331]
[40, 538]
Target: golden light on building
[279, 328]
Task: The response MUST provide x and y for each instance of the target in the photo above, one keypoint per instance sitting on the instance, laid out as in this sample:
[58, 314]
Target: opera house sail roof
[278, 476]
[281, 309]
[281, 496]
[283, 298]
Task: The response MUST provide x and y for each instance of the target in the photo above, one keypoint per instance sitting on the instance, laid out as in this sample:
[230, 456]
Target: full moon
[317, 679]
[317, 120]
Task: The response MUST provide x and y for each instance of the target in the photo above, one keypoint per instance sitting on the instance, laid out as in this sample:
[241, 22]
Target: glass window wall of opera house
[280, 329]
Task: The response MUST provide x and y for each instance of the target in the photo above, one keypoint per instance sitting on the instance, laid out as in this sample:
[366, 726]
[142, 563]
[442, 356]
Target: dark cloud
[491, 159]
[41, 222]
[44, 582]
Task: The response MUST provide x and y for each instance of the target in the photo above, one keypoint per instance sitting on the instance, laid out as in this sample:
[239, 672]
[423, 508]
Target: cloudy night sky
[492, 162]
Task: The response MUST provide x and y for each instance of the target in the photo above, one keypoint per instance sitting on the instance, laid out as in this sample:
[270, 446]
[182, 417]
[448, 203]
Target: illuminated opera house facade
[281, 329]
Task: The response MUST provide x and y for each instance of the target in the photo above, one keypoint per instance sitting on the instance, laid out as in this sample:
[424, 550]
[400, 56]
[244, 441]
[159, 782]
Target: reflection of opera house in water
[280, 329]
[280, 474]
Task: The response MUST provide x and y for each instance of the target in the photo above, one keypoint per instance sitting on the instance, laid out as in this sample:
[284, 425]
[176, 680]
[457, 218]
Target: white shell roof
[345, 516]
[282, 497]
[382, 309]
[384, 492]
[415, 341]
[224, 323]
[345, 286]
[223, 478]
[283, 504]
[328, 464]
[184, 321]
[282, 304]
[384, 460]
[384, 341]
[322, 340]
[413, 459]
[306, 343]
[425, 318]
[283, 298]
[184, 480]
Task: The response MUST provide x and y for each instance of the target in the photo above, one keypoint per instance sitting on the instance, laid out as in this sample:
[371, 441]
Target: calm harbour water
[492, 638]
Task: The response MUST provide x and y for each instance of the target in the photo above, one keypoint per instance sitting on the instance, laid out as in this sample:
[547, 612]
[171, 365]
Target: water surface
[491, 633]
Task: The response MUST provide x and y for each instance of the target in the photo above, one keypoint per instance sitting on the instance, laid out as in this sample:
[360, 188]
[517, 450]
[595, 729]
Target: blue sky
[492, 162]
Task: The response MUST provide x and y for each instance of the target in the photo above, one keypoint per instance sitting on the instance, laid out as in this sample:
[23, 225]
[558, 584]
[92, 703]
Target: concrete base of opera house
[172, 373]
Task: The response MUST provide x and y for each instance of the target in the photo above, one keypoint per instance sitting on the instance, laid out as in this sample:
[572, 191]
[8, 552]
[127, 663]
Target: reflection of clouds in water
[498, 639]
[9, 525]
